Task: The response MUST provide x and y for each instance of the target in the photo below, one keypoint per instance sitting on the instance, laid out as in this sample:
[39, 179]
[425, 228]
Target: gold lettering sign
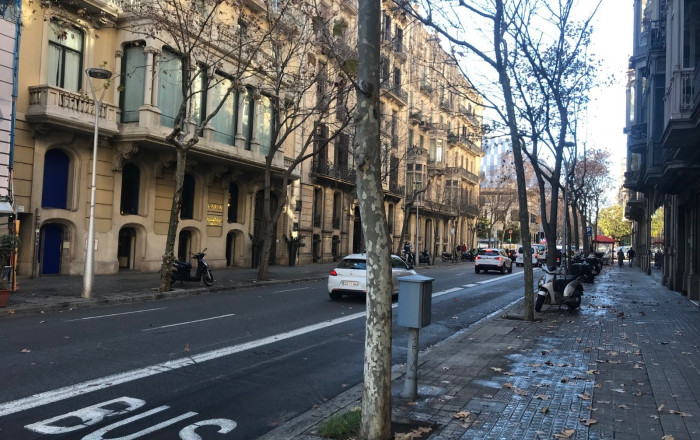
[214, 221]
[216, 207]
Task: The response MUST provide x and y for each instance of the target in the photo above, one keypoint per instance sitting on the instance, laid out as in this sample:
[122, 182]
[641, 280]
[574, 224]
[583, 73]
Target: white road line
[188, 322]
[129, 376]
[289, 290]
[493, 280]
[470, 285]
[445, 292]
[114, 314]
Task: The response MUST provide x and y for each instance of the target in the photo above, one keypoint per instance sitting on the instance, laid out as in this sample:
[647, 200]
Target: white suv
[520, 255]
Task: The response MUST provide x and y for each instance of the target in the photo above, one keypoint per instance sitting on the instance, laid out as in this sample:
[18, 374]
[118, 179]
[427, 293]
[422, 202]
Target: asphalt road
[223, 366]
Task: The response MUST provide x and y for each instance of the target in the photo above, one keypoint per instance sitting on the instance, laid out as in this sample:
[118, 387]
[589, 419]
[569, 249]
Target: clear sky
[612, 41]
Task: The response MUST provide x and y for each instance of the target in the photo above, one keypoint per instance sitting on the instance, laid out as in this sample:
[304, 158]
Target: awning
[6, 208]
[604, 239]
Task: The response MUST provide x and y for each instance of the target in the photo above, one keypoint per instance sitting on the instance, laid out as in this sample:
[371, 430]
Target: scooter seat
[182, 264]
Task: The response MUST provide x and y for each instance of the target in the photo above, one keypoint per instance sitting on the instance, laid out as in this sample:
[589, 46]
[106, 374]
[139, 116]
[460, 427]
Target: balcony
[446, 105]
[426, 89]
[415, 117]
[634, 210]
[52, 106]
[396, 93]
[637, 138]
[336, 173]
[436, 167]
[396, 190]
[461, 172]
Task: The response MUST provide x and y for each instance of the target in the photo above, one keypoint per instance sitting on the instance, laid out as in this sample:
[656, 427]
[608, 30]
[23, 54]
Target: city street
[227, 365]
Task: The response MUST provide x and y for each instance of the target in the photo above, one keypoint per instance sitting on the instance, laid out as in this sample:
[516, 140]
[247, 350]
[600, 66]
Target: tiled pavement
[624, 367]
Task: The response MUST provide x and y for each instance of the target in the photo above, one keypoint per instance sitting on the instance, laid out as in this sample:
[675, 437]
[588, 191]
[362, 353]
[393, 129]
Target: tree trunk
[376, 393]
[524, 215]
[575, 215]
[169, 255]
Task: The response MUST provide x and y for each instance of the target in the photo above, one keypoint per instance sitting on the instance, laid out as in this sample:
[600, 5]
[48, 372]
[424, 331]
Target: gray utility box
[415, 300]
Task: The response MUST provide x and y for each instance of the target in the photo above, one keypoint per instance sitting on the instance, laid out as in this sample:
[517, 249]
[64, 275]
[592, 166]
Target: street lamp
[416, 261]
[89, 272]
[565, 244]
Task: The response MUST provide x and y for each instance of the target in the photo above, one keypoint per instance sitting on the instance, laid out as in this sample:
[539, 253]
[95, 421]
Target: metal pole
[89, 272]
[416, 260]
[410, 388]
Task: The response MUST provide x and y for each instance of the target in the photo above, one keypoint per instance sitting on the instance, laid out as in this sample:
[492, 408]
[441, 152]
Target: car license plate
[349, 283]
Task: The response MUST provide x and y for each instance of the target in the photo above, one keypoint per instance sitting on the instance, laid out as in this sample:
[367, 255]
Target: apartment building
[223, 193]
[663, 137]
[10, 33]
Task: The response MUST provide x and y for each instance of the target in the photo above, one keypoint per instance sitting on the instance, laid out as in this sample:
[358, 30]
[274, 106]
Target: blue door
[51, 243]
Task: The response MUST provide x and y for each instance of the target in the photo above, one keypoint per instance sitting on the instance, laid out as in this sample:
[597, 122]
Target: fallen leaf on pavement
[497, 369]
[26, 350]
[589, 422]
[584, 396]
[668, 437]
[544, 410]
[508, 385]
[520, 392]
[462, 415]
[542, 397]
[624, 407]
[680, 413]
[566, 433]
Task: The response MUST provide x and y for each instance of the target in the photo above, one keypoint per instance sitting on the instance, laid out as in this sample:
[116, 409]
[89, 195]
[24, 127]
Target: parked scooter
[449, 256]
[424, 257]
[182, 270]
[555, 288]
[581, 267]
[468, 255]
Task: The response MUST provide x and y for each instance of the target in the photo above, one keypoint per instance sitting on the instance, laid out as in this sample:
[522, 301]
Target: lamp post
[89, 272]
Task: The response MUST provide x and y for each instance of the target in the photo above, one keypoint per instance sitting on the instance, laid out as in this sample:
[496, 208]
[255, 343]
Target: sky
[612, 41]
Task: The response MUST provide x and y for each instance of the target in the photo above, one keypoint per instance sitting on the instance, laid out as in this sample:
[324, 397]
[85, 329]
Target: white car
[350, 277]
[493, 259]
[520, 255]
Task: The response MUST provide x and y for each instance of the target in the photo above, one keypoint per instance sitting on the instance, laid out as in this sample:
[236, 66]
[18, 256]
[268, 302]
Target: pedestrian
[407, 252]
[620, 257]
[630, 254]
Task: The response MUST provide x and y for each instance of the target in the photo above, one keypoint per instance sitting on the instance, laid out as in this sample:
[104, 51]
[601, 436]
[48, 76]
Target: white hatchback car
[492, 259]
[520, 255]
[350, 277]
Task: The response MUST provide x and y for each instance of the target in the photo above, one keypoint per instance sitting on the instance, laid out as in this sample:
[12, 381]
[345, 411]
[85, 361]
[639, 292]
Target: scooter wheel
[576, 304]
[539, 302]
[208, 278]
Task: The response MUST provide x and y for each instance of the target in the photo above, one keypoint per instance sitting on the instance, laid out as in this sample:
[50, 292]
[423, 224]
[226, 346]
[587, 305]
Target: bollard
[415, 300]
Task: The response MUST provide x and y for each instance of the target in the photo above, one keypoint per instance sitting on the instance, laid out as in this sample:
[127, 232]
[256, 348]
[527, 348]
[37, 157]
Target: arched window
[187, 207]
[233, 203]
[55, 190]
[131, 179]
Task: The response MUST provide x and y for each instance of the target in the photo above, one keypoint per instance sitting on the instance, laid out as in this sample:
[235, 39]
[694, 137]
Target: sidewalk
[60, 293]
[626, 366]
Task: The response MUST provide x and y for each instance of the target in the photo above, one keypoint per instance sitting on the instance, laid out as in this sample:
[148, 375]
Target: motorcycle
[555, 288]
[182, 270]
[449, 256]
[468, 256]
[424, 257]
[581, 267]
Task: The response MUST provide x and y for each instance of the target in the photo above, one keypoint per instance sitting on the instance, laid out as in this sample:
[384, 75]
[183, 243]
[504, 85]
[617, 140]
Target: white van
[520, 254]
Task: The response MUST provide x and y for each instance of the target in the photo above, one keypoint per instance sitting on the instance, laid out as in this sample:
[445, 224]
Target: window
[246, 100]
[691, 33]
[133, 81]
[265, 124]
[55, 188]
[170, 87]
[341, 152]
[187, 207]
[225, 120]
[65, 58]
[232, 203]
[131, 176]
[438, 150]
